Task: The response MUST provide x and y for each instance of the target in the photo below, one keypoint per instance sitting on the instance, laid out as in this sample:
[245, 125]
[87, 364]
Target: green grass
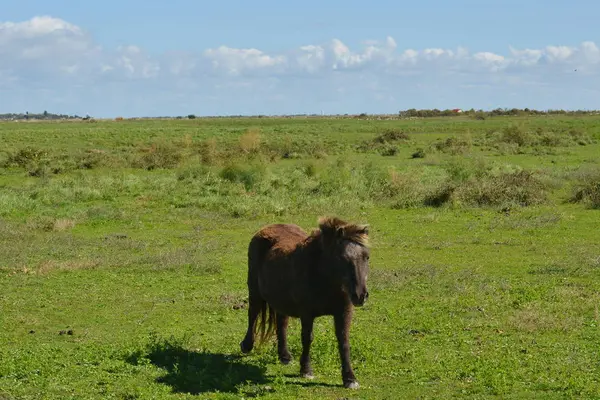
[123, 255]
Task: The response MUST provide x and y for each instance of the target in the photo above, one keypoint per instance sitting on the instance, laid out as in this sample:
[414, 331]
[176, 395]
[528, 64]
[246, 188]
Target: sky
[237, 57]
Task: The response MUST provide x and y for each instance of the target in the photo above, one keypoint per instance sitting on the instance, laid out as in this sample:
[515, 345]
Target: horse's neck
[309, 248]
[313, 255]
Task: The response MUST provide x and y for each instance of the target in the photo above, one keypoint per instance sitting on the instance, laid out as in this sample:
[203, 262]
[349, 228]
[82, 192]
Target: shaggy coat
[294, 274]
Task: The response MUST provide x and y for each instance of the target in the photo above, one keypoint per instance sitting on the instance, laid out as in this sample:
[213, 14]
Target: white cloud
[590, 52]
[527, 57]
[51, 51]
[310, 58]
[43, 38]
[237, 61]
[135, 63]
[558, 53]
[37, 26]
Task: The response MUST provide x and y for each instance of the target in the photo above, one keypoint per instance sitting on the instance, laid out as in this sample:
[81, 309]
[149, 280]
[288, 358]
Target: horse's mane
[335, 227]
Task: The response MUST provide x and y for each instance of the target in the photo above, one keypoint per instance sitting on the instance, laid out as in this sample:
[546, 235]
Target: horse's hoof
[308, 375]
[285, 360]
[351, 385]
[245, 349]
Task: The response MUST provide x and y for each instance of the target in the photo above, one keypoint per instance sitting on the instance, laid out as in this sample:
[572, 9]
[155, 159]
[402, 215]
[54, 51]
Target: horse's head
[346, 249]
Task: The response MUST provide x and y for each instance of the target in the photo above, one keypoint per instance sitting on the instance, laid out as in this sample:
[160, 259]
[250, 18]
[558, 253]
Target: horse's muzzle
[361, 299]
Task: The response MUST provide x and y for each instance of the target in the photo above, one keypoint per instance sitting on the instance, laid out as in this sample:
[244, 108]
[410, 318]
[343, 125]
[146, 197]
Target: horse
[294, 274]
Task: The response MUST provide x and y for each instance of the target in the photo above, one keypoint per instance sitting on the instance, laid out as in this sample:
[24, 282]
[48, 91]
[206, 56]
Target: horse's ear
[327, 231]
[332, 228]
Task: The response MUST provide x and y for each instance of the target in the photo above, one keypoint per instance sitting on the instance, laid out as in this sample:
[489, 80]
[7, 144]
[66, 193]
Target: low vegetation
[123, 249]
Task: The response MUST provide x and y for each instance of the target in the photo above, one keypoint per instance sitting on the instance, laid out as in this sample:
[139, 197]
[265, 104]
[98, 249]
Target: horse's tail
[265, 326]
[266, 320]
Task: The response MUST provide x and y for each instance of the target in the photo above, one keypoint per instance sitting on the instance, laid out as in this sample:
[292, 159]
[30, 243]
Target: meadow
[123, 255]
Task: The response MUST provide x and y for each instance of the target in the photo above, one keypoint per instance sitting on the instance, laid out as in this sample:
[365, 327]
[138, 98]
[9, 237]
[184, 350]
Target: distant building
[457, 110]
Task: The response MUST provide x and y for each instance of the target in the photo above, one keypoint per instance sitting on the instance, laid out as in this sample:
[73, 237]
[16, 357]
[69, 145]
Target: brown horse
[293, 274]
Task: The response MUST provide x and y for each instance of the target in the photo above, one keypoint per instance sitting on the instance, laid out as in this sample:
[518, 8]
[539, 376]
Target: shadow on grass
[299, 381]
[199, 372]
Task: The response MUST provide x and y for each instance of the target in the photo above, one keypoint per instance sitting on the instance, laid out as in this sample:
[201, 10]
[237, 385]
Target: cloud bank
[49, 63]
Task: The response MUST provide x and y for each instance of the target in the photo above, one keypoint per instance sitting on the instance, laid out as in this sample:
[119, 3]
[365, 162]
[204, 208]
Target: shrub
[192, 173]
[514, 139]
[49, 224]
[452, 145]
[209, 153]
[461, 169]
[250, 141]
[25, 156]
[385, 143]
[38, 170]
[587, 188]
[580, 137]
[159, 155]
[440, 195]
[310, 169]
[389, 150]
[405, 189]
[249, 176]
[419, 153]
[186, 141]
[94, 158]
[391, 135]
[520, 188]
[475, 183]
[515, 134]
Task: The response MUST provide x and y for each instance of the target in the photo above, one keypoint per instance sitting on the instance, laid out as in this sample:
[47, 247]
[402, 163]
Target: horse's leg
[282, 348]
[307, 338]
[342, 322]
[255, 303]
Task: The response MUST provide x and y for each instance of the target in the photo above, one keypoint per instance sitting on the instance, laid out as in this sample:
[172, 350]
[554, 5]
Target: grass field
[123, 255]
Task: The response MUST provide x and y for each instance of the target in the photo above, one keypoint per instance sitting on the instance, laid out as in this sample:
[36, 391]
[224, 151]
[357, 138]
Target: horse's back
[285, 236]
[274, 238]
[275, 266]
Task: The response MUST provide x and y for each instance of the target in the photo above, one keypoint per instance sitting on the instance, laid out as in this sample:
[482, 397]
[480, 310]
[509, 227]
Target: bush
[405, 189]
[385, 143]
[475, 183]
[26, 156]
[248, 176]
[515, 139]
[452, 145]
[389, 150]
[159, 155]
[419, 153]
[519, 188]
[587, 188]
[250, 141]
[588, 193]
[515, 134]
[310, 169]
[192, 173]
[440, 195]
[580, 137]
[209, 153]
[391, 135]
[94, 158]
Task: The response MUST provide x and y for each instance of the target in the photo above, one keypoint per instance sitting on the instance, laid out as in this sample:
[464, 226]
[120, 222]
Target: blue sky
[149, 58]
